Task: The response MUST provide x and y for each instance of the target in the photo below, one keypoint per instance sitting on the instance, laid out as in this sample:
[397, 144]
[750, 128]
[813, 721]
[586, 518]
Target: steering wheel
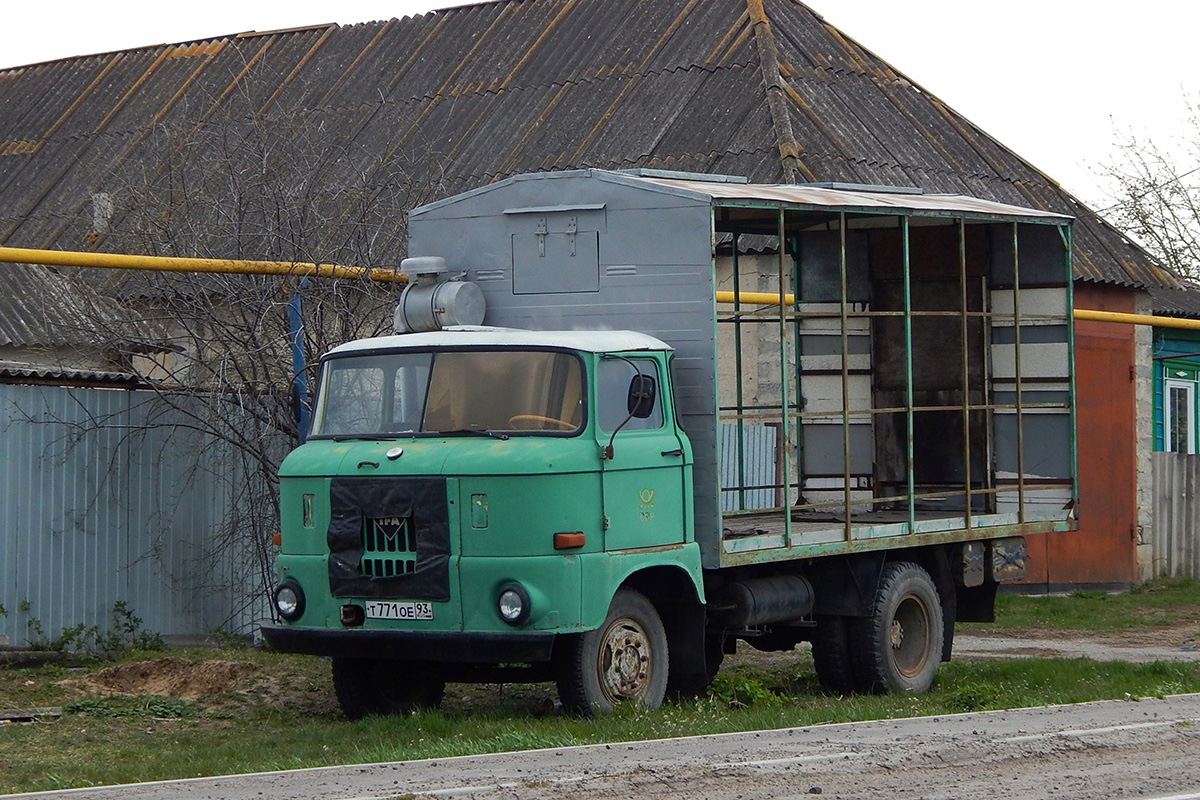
[513, 420]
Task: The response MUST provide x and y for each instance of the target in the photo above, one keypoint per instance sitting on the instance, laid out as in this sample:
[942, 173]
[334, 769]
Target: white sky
[1051, 79]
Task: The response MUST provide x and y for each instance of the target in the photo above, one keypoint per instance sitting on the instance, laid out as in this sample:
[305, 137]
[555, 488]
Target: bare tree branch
[1158, 195]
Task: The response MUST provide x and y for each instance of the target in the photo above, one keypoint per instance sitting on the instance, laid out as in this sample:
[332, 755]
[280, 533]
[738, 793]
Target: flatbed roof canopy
[851, 198]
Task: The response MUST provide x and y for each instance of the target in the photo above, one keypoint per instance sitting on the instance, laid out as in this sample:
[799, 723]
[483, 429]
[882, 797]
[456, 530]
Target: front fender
[604, 573]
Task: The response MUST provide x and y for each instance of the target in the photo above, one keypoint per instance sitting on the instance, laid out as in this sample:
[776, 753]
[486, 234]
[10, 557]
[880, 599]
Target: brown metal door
[1104, 549]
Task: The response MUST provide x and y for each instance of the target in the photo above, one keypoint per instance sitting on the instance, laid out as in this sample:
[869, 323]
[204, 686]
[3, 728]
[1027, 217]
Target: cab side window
[629, 389]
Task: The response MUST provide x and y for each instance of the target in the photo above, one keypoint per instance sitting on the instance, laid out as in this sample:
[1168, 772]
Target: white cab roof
[477, 336]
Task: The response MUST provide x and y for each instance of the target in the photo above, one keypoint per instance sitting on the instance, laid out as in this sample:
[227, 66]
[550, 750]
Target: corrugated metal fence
[109, 495]
[1176, 552]
[748, 460]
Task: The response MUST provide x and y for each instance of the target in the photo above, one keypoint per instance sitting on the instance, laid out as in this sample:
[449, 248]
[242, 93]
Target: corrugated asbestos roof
[40, 307]
[18, 372]
[312, 143]
[1183, 301]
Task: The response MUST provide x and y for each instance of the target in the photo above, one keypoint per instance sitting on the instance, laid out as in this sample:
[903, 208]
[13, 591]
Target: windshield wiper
[365, 437]
[474, 432]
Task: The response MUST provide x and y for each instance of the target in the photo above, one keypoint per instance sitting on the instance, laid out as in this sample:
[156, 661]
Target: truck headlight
[289, 600]
[512, 603]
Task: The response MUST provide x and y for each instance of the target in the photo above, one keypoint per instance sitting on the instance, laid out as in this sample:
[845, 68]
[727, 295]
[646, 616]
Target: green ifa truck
[631, 419]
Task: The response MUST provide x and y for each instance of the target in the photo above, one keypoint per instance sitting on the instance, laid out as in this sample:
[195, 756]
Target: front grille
[389, 547]
[389, 536]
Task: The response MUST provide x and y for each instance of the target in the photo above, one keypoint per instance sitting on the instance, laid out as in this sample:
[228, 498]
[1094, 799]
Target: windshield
[464, 392]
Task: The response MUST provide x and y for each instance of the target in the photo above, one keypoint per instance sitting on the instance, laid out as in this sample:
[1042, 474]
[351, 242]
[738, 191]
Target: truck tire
[624, 660]
[697, 685]
[831, 655]
[378, 686]
[899, 646]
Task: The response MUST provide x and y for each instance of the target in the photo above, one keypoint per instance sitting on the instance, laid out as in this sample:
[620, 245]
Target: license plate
[390, 609]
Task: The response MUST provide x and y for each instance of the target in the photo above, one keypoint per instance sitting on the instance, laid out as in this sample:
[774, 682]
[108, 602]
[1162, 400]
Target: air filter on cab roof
[433, 300]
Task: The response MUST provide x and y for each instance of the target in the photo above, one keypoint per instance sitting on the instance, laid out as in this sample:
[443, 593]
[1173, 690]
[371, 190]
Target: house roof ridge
[958, 116]
[773, 84]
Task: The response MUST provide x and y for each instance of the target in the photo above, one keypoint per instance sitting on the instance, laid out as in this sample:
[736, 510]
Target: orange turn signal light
[569, 540]
[277, 539]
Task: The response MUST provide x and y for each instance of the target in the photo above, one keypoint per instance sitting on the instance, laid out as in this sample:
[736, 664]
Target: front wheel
[624, 660]
[899, 646]
[377, 686]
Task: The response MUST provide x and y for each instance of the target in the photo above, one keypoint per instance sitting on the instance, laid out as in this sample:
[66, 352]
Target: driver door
[643, 480]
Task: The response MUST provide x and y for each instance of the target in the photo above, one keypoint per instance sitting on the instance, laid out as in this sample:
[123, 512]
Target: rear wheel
[898, 647]
[831, 655]
[624, 660]
[377, 686]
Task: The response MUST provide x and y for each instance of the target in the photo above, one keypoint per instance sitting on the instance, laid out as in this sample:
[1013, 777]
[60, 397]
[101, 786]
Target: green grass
[1159, 603]
[284, 716]
[119, 740]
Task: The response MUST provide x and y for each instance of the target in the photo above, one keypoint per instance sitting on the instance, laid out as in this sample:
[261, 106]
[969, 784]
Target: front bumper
[469, 648]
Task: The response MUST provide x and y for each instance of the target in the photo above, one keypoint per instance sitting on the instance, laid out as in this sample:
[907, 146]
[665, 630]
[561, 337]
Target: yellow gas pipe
[753, 298]
[770, 298]
[1137, 319]
[68, 258]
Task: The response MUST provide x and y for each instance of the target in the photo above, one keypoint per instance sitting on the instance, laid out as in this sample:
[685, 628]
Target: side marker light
[569, 540]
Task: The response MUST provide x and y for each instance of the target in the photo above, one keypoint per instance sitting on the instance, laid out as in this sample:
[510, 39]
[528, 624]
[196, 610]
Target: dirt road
[1165, 644]
[1144, 749]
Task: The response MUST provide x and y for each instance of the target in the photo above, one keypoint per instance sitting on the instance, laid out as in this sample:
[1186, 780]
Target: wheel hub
[896, 634]
[625, 661]
[910, 653]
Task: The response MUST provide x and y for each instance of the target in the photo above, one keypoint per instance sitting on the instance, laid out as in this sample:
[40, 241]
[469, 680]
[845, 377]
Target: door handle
[678, 451]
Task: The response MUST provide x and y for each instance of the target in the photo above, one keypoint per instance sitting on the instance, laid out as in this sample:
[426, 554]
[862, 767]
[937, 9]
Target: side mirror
[642, 393]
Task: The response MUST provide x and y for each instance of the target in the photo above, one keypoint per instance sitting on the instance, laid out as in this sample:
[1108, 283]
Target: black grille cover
[354, 501]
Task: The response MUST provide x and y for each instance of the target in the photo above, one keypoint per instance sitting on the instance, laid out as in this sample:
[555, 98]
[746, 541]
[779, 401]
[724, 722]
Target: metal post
[988, 479]
[965, 358]
[843, 307]
[1065, 232]
[908, 376]
[783, 383]
[1017, 371]
[738, 375]
[796, 355]
[296, 337]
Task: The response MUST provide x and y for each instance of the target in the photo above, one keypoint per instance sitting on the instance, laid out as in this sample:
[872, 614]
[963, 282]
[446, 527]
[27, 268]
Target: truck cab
[469, 497]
